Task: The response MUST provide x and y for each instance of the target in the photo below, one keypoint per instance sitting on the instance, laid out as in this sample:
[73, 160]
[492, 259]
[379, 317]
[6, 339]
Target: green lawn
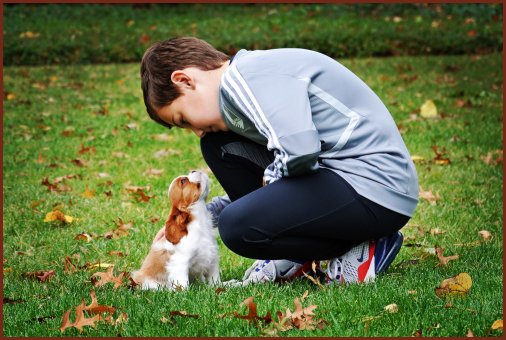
[88, 123]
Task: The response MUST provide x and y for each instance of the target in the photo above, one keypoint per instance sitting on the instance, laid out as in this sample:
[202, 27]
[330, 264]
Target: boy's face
[197, 109]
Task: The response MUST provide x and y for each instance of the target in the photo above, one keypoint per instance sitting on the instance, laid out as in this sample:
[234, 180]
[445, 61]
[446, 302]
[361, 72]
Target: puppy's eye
[183, 181]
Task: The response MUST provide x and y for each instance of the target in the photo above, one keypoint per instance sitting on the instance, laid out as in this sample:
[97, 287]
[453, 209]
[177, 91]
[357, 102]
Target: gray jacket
[315, 113]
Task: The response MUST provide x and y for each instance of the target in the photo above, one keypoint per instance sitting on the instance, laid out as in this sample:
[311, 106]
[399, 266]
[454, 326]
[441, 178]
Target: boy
[312, 161]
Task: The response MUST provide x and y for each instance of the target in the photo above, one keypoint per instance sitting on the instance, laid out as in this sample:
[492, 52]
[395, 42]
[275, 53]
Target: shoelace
[335, 269]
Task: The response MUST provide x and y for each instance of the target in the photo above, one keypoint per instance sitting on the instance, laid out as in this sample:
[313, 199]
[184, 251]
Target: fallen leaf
[78, 162]
[252, 315]
[493, 157]
[443, 260]
[154, 172]
[116, 253]
[428, 109]
[498, 324]
[57, 215]
[83, 237]
[68, 266]
[41, 159]
[485, 234]
[41, 275]
[89, 194]
[440, 156]
[418, 159]
[29, 35]
[106, 277]
[163, 137]
[81, 320]
[121, 230]
[458, 285]
[84, 150]
[469, 334]
[182, 313]
[428, 196]
[436, 231]
[392, 308]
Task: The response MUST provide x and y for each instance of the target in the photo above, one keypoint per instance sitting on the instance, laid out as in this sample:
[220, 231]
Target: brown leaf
[143, 197]
[106, 277]
[181, 313]
[252, 315]
[41, 275]
[69, 266]
[83, 237]
[41, 159]
[440, 156]
[443, 260]
[78, 163]
[95, 308]
[493, 157]
[120, 231]
[428, 195]
[81, 320]
[84, 150]
[485, 234]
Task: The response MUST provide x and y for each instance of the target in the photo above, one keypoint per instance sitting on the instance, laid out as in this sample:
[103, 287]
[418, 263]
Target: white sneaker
[355, 266]
[269, 271]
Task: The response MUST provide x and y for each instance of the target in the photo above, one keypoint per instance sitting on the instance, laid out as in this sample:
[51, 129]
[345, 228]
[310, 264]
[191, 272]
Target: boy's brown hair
[165, 57]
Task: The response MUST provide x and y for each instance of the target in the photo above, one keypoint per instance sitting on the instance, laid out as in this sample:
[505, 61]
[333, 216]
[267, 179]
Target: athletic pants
[317, 216]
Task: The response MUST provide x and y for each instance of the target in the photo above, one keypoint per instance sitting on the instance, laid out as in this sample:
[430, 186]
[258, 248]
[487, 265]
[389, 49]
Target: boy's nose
[199, 132]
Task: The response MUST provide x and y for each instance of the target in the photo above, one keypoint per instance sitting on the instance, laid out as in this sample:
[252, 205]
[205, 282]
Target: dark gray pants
[311, 217]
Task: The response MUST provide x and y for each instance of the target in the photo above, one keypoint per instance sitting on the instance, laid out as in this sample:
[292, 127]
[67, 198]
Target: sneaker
[363, 262]
[355, 266]
[272, 271]
[387, 249]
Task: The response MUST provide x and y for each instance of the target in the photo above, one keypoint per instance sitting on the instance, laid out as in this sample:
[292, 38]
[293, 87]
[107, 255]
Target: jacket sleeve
[280, 109]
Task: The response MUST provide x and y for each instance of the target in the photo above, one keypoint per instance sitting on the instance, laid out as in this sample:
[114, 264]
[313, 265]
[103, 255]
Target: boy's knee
[239, 235]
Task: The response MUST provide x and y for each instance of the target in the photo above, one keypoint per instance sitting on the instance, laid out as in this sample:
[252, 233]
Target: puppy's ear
[176, 226]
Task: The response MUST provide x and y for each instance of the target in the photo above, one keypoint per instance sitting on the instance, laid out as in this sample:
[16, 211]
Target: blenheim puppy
[185, 249]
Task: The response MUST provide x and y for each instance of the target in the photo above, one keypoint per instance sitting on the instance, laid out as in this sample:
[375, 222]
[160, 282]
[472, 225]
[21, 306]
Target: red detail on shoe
[364, 267]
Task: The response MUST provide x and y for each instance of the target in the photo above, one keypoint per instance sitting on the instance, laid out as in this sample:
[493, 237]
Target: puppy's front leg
[177, 269]
[213, 276]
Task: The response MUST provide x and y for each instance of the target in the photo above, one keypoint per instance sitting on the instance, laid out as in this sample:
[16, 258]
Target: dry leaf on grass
[443, 260]
[182, 313]
[485, 235]
[428, 110]
[455, 286]
[252, 315]
[57, 215]
[392, 308]
[41, 275]
[429, 196]
[121, 230]
[94, 308]
[106, 277]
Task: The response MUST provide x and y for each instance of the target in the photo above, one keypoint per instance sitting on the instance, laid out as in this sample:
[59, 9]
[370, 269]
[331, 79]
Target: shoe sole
[396, 243]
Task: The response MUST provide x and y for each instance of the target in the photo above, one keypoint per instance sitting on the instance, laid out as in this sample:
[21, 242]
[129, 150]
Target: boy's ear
[182, 79]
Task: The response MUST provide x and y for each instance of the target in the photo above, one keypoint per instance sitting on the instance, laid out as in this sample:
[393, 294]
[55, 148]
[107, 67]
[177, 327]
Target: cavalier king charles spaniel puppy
[185, 249]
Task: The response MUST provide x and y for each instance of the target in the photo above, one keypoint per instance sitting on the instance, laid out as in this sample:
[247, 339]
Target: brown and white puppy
[185, 249]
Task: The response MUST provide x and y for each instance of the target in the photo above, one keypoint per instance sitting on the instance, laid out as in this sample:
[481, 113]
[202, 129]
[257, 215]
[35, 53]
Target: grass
[69, 33]
[50, 111]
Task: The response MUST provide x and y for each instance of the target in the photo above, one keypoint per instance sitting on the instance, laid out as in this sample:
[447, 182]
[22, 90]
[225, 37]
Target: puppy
[185, 249]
